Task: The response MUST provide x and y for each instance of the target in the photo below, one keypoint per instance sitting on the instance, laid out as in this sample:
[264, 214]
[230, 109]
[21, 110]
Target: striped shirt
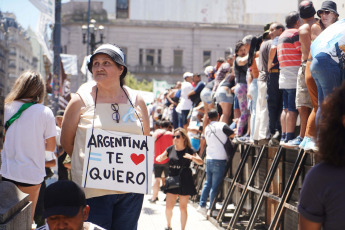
[289, 49]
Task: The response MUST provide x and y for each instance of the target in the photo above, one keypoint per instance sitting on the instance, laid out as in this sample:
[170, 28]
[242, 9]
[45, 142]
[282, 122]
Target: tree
[134, 83]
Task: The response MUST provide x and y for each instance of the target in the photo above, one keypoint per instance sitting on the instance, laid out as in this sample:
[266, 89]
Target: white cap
[187, 74]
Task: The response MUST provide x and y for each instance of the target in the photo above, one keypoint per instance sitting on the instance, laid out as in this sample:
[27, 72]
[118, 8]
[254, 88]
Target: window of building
[178, 58]
[122, 8]
[150, 57]
[159, 57]
[206, 57]
[141, 54]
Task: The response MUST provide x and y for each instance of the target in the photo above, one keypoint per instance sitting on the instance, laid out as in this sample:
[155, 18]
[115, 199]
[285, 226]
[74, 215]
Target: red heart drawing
[137, 159]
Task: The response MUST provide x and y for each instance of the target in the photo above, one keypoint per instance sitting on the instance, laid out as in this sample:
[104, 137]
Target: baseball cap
[60, 113]
[306, 9]
[114, 52]
[63, 198]
[187, 74]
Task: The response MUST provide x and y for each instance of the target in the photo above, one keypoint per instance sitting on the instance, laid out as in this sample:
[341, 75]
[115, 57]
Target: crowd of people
[270, 81]
[253, 96]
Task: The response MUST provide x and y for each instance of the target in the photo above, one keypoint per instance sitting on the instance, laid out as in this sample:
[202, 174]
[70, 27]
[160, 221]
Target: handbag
[229, 148]
[172, 182]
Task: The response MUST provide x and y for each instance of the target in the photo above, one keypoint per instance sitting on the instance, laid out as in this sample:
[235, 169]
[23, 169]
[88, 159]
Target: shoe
[244, 139]
[295, 142]
[202, 210]
[311, 146]
[168, 228]
[236, 140]
[304, 142]
[153, 201]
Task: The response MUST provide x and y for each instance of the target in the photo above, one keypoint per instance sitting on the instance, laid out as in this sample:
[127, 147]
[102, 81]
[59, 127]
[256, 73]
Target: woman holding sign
[105, 104]
[180, 156]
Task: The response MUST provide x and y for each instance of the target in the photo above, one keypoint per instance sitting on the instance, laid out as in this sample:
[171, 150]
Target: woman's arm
[144, 115]
[51, 163]
[70, 123]
[162, 157]
[305, 224]
[195, 157]
[50, 144]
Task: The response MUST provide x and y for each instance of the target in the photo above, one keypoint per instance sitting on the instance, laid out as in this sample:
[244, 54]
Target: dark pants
[274, 102]
[118, 211]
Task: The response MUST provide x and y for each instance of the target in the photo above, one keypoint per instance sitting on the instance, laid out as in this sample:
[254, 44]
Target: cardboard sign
[118, 161]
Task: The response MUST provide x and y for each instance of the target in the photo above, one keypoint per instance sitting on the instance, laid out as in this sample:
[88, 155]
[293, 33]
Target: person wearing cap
[65, 208]
[303, 96]
[328, 14]
[104, 104]
[185, 104]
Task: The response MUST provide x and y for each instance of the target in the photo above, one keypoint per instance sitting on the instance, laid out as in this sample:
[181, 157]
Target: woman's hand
[194, 158]
[162, 157]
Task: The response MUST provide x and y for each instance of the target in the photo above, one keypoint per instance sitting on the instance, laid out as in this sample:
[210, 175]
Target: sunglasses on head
[327, 12]
[177, 136]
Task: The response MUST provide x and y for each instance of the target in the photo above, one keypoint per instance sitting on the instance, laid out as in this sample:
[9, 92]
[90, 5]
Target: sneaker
[311, 146]
[244, 139]
[295, 142]
[304, 142]
[168, 228]
[236, 140]
[202, 210]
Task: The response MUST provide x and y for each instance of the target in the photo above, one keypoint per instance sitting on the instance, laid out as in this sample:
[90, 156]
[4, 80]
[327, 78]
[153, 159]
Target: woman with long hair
[180, 156]
[28, 137]
[322, 200]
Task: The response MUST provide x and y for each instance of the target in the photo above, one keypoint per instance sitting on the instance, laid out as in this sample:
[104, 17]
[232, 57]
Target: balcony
[156, 69]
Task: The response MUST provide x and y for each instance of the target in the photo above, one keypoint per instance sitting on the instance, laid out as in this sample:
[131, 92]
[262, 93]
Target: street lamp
[93, 28]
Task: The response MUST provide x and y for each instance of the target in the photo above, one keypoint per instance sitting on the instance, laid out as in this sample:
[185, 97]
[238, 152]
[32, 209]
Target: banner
[70, 64]
[118, 161]
[159, 87]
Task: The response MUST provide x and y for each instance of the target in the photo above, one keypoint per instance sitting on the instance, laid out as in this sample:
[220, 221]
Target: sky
[26, 13]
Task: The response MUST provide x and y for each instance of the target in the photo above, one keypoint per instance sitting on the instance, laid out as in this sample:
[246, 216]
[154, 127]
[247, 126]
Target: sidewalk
[152, 217]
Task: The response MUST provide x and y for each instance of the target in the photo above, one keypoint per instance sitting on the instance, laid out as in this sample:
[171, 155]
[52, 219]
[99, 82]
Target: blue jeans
[116, 211]
[182, 118]
[253, 90]
[215, 170]
[274, 102]
[289, 99]
[327, 75]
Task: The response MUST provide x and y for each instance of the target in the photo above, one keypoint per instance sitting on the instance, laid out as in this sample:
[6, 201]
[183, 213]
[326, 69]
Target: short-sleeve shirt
[177, 161]
[185, 103]
[23, 154]
[322, 198]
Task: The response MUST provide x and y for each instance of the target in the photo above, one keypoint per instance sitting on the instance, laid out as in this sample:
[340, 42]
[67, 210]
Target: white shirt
[215, 150]
[185, 103]
[23, 155]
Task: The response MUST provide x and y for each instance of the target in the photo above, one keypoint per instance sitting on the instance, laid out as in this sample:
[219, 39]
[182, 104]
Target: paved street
[153, 217]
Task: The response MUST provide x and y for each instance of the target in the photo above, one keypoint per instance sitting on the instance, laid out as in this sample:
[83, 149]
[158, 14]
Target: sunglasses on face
[177, 136]
[326, 12]
[116, 114]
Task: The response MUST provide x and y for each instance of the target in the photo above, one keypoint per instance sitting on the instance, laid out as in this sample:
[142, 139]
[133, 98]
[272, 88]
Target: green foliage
[134, 83]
